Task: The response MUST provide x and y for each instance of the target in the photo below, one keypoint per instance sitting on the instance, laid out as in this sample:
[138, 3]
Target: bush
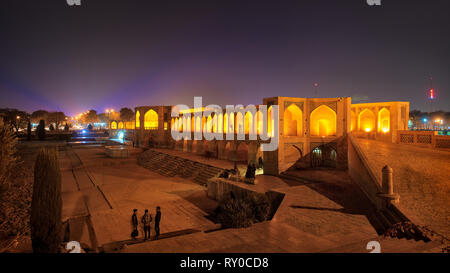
[51, 127]
[66, 127]
[242, 212]
[46, 204]
[29, 131]
[40, 130]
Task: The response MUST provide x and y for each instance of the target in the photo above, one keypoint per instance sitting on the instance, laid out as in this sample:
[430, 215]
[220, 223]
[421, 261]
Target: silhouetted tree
[40, 130]
[126, 114]
[66, 127]
[36, 116]
[29, 131]
[90, 127]
[57, 118]
[51, 127]
[46, 204]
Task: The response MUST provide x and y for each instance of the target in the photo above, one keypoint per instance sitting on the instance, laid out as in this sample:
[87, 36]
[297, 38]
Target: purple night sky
[119, 53]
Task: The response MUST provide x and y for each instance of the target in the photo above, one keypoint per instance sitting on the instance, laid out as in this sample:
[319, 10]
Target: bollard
[387, 187]
[387, 183]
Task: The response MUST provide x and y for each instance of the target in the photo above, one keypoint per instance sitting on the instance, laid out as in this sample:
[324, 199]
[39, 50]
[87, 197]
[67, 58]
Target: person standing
[134, 224]
[157, 220]
[146, 220]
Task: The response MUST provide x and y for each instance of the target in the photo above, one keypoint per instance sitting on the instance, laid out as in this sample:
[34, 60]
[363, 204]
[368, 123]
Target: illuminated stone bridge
[311, 132]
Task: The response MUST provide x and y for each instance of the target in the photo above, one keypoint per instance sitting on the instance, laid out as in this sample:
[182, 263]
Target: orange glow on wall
[120, 126]
[366, 120]
[384, 120]
[248, 122]
[323, 121]
[293, 121]
[353, 121]
[151, 120]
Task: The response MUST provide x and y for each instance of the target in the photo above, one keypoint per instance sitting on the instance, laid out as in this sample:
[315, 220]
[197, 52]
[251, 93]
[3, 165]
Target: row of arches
[129, 125]
[367, 121]
[323, 122]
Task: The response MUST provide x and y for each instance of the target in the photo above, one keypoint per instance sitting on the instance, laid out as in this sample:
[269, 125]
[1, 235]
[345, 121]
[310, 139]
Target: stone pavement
[421, 177]
[106, 191]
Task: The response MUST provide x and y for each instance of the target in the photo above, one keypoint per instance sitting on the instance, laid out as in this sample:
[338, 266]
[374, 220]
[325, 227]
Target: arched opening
[188, 124]
[384, 121]
[209, 124]
[323, 156]
[120, 125]
[323, 121]
[249, 123]
[220, 125]
[366, 120]
[353, 121]
[138, 119]
[151, 120]
[172, 124]
[270, 122]
[225, 123]
[176, 125]
[242, 153]
[203, 123]
[239, 123]
[198, 125]
[293, 121]
[183, 126]
[259, 122]
[114, 125]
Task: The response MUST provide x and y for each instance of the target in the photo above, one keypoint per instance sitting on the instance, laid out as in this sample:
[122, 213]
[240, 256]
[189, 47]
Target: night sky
[117, 53]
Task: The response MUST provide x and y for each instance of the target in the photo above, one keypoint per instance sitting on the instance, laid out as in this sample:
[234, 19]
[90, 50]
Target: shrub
[242, 211]
[66, 127]
[40, 130]
[46, 204]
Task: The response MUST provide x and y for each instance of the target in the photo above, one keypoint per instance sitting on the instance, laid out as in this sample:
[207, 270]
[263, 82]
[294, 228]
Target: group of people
[146, 221]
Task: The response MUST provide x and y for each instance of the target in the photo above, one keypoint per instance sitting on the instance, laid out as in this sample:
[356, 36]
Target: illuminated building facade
[312, 131]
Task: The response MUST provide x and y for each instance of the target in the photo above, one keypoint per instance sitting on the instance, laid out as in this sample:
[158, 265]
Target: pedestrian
[157, 220]
[146, 220]
[134, 224]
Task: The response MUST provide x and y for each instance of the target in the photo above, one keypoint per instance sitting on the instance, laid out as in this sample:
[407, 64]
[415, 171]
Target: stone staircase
[169, 165]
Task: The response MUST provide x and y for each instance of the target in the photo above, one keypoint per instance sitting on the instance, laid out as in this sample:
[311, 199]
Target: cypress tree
[46, 204]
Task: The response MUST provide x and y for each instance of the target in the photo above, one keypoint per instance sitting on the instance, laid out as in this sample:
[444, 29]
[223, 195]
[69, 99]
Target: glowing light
[83, 132]
[385, 130]
[121, 135]
[368, 129]
[425, 120]
[431, 94]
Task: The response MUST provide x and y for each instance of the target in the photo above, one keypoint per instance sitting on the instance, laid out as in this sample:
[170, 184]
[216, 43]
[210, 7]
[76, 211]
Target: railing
[424, 138]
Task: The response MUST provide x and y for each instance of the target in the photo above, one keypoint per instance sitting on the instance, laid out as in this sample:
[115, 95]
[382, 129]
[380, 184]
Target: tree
[40, 130]
[16, 118]
[66, 127]
[36, 116]
[91, 117]
[57, 118]
[46, 204]
[51, 128]
[29, 131]
[126, 114]
[90, 127]
[8, 150]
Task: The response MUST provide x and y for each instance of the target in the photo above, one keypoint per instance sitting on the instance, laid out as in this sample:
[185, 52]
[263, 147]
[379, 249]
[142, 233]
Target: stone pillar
[387, 187]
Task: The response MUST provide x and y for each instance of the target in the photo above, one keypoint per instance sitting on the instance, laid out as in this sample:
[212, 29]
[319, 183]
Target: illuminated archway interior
[366, 121]
[120, 126]
[383, 121]
[114, 125]
[138, 119]
[323, 121]
[151, 120]
[293, 121]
